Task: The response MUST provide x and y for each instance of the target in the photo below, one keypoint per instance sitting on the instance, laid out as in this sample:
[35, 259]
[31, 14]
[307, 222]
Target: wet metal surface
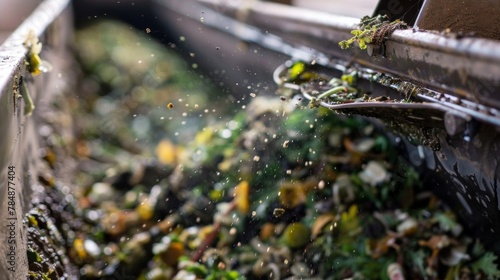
[18, 145]
[401, 60]
[405, 10]
[478, 17]
[460, 75]
[466, 67]
[467, 176]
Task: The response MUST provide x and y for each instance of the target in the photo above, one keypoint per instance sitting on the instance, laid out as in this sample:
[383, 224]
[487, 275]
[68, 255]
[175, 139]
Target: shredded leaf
[478, 249]
[446, 221]
[297, 69]
[487, 265]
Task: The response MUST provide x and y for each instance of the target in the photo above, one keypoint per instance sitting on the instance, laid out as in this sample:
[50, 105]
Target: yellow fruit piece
[225, 165]
[296, 235]
[166, 152]
[204, 136]
[241, 197]
[33, 220]
[145, 210]
[216, 195]
[79, 249]
[297, 69]
[34, 62]
[173, 253]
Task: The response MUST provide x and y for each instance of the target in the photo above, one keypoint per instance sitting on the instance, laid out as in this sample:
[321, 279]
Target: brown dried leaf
[320, 223]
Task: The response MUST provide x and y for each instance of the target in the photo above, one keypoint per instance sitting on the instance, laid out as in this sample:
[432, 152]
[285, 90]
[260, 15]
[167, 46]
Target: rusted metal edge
[464, 67]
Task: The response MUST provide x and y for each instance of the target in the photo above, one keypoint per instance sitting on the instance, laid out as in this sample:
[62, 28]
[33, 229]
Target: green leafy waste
[371, 30]
[487, 264]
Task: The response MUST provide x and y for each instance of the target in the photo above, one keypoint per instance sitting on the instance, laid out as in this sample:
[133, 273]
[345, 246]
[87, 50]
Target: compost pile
[173, 180]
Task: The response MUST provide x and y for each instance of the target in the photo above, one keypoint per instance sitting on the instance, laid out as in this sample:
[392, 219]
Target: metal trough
[459, 75]
[51, 21]
[242, 45]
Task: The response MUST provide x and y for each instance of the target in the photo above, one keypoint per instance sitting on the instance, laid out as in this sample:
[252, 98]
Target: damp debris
[35, 66]
[184, 197]
[33, 61]
[372, 30]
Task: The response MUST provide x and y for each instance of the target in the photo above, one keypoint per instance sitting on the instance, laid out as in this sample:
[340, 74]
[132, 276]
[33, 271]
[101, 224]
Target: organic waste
[167, 184]
[372, 30]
